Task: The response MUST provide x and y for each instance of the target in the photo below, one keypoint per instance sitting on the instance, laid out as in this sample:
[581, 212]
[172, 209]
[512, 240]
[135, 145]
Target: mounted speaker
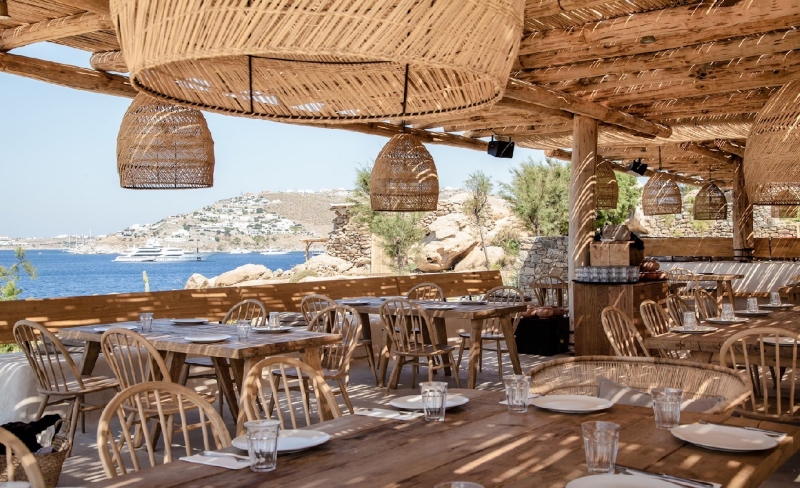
[501, 149]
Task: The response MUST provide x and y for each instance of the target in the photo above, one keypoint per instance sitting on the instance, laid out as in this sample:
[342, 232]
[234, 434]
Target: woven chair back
[771, 368]
[133, 359]
[543, 284]
[405, 322]
[794, 295]
[657, 322]
[250, 309]
[705, 304]
[311, 305]
[503, 295]
[426, 291]
[270, 391]
[622, 334]
[581, 375]
[54, 368]
[682, 282]
[341, 320]
[676, 306]
[117, 445]
[17, 453]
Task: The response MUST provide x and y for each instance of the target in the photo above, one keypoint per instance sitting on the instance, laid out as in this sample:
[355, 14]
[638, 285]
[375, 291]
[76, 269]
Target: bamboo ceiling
[686, 75]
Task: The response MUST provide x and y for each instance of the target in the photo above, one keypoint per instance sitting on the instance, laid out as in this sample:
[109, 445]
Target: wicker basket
[50, 464]
[607, 189]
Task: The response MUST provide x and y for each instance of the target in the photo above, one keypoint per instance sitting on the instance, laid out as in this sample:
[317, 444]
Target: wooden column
[742, 216]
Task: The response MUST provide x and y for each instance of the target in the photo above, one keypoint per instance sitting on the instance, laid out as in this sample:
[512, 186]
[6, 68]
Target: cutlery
[668, 477]
[226, 454]
[771, 433]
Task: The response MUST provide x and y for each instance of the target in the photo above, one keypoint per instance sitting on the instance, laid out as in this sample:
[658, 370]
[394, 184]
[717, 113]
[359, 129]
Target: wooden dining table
[724, 283]
[482, 442]
[475, 313]
[170, 339]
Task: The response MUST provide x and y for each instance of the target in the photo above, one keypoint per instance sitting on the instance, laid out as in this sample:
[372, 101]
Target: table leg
[700, 356]
[312, 357]
[441, 339]
[732, 298]
[383, 359]
[175, 362]
[475, 351]
[241, 367]
[237, 365]
[226, 385]
[511, 343]
[91, 351]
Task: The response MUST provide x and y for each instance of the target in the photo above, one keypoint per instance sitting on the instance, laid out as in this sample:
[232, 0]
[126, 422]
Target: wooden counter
[591, 298]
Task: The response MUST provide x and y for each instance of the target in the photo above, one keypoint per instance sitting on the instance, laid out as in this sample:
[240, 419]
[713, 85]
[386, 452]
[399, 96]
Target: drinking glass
[434, 399]
[727, 312]
[274, 320]
[517, 388]
[243, 329]
[633, 274]
[594, 274]
[601, 441]
[667, 407]
[689, 321]
[262, 444]
[774, 298]
[752, 304]
[458, 484]
[146, 321]
[602, 272]
[613, 274]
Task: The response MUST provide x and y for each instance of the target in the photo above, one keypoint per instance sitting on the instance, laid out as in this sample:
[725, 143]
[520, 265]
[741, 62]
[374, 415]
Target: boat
[239, 250]
[273, 251]
[153, 252]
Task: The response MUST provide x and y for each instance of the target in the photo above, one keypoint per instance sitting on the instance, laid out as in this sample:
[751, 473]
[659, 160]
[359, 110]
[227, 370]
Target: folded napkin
[388, 414]
[226, 462]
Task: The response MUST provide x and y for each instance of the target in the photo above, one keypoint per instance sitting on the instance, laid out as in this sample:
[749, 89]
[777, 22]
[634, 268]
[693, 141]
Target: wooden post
[581, 200]
[742, 216]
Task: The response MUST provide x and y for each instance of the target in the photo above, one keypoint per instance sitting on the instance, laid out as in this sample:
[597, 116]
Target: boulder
[325, 265]
[476, 260]
[447, 243]
[197, 282]
[637, 222]
[243, 273]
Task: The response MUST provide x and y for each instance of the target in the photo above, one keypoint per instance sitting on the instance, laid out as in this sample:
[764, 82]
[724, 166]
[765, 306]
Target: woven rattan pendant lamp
[321, 60]
[606, 187]
[661, 194]
[404, 177]
[164, 147]
[774, 146]
[710, 203]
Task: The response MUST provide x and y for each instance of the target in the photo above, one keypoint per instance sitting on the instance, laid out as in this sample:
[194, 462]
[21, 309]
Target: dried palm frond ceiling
[653, 73]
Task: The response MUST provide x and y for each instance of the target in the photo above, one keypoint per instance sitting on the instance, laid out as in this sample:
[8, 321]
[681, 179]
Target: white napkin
[220, 462]
[388, 414]
[644, 474]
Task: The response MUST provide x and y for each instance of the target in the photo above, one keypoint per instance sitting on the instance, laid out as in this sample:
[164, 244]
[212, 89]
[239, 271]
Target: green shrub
[508, 240]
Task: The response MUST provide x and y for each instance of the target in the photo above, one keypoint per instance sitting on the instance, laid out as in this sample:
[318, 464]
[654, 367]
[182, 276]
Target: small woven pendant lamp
[606, 187]
[774, 144]
[661, 194]
[710, 203]
[164, 147]
[322, 61]
[404, 177]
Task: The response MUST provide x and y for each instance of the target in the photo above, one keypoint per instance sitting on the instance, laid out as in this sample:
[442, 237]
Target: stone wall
[541, 256]
[348, 240]
[684, 225]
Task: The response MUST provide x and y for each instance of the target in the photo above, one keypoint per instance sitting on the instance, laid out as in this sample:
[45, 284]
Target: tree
[629, 195]
[477, 204]
[539, 195]
[9, 276]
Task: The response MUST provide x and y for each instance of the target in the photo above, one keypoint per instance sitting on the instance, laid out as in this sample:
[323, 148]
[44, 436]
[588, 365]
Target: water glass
[601, 441]
[146, 321]
[434, 399]
[774, 298]
[243, 329]
[752, 304]
[667, 407]
[274, 320]
[689, 321]
[727, 312]
[458, 484]
[633, 274]
[262, 444]
[594, 274]
[517, 388]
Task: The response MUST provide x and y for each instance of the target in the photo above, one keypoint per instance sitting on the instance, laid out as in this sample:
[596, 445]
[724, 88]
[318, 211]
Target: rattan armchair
[705, 304]
[426, 291]
[677, 307]
[657, 322]
[622, 334]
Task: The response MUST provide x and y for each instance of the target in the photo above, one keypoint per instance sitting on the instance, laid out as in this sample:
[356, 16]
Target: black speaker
[501, 149]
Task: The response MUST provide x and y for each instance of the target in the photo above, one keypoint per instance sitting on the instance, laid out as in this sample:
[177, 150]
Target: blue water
[62, 274]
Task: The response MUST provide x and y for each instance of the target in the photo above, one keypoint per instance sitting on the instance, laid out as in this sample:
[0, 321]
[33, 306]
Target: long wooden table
[724, 283]
[483, 443]
[476, 314]
[170, 339]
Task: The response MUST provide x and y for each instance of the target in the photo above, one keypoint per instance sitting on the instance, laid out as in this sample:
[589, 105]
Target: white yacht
[156, 253]
[239, 250]
[273, 251]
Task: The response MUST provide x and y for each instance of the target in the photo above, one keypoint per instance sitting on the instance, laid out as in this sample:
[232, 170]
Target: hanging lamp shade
[661, 195]
[164, 147]
[321, 60]
[710, 203]
[606, 187]
[4, 10]
[404, 177]
[771, 169]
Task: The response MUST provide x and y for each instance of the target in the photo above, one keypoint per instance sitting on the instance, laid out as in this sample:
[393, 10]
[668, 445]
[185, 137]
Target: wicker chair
[262, 393]
[622, 334]
[676, 307]
[678, 285]
[657, 322]
[793, 294]
[426, 291]
[580, 376]
[706, 304]
[490, 329]
[17, 453]
[542, 284]
[778, 402]
[57, 374]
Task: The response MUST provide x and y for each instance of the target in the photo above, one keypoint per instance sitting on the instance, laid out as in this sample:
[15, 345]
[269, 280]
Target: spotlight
[501, 149]
[638, 167]
[4, 10]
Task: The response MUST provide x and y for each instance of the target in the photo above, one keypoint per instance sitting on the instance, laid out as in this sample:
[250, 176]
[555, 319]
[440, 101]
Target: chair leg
[343, 389]
[42, 407]
[73, 422]
[395, 376]
[455, 370]
[414, 370]
[461, 351]
[83, 413]
[371, 361]
[499, 361]
[431, 364]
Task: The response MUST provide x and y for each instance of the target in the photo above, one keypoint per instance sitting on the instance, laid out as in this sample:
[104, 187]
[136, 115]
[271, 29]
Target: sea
[62, 274]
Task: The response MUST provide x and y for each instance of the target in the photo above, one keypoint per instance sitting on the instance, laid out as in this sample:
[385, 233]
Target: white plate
[268, 330]
[414, 402]
[723, 438]
[618, 481]
[571, 403]
[207, 339]
[717, 320]
[785, 341]
[701, 329]
[195, 321]
[108, 327]
[472, 302]
[354, 302]
[290, 440]
[435, 306]
[746, 313]
[393, 297]
[777, 307]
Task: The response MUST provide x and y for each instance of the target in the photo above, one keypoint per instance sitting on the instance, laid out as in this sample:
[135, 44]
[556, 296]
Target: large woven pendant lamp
[606, 187]
[4, 10]
[772, 155]
[710, 203]
[404, 177]
[661, 194]
[321, 60]
[164, 147]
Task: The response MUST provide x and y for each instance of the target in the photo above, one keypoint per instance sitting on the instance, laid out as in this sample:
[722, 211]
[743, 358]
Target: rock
[476, 260]
[636, 223]
[448, 242]
[325, 265]
[259, 282]
[197, 282]
[243, 273]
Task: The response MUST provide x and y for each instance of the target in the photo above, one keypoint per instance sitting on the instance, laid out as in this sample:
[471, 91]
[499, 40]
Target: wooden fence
[720, 247]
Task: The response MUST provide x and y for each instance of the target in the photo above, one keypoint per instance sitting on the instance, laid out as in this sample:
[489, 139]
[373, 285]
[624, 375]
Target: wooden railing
[213, 303]
[720, 247]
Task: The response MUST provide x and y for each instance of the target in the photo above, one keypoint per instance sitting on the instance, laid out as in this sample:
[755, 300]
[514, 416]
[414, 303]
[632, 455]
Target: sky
[58, 159]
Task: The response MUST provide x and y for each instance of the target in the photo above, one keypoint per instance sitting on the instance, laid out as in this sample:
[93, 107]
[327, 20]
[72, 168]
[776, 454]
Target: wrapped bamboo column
[742, 216]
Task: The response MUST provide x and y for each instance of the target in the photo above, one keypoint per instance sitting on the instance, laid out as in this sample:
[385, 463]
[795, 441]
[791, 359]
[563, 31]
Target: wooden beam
[729, 147]
[546, 97]
[109, 61]
[388, 130]
[581, 196]
[66, 75]
[53, 29]
[671, 27]
[737, 102]
[96, 6]
[716, 155]
[742, 216]
[516, 104]
[546, 8]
